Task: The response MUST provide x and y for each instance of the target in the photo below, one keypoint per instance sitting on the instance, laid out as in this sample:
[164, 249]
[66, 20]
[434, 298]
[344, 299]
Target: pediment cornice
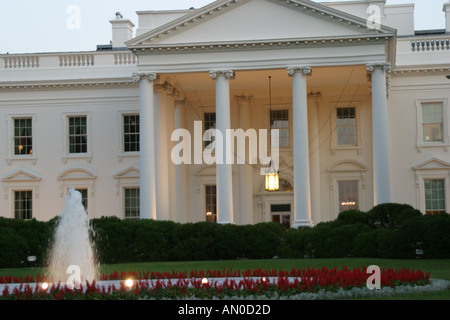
[149, 43]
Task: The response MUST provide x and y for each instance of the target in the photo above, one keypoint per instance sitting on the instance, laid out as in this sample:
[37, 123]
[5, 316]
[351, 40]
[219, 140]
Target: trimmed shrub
[391, 215]
[14, 249]
[436, 236]
[352, 217]
[340, 239]
[315, 241]
[365, 244]
[194, 241]
[263, 240]
[231, 242]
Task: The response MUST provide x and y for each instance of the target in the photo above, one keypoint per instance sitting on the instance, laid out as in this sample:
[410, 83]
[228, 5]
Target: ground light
[129, 283]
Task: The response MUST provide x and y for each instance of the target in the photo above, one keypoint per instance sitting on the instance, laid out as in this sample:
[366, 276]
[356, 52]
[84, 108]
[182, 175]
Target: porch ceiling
[327, 80]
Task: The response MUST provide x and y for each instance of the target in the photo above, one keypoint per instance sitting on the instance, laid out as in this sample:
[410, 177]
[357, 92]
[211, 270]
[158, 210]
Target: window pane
[132, 205]
[211, 203]
[280, 208]
[77, 135]
[434, 196]
[432, 132]
[23, 140]
[346, 126]
[131, 128]
[279, 119]
[209, 123]
[23, 205]
[348, 195]
[432, 119]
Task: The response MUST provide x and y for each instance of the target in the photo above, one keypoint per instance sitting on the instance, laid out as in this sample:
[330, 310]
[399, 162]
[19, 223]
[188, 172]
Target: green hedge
[386, 231]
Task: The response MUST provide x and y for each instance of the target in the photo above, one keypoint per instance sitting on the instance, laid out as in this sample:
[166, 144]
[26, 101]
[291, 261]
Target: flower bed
[217, 284]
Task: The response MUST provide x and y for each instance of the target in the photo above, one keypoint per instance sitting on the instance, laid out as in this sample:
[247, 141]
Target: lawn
[439, 269]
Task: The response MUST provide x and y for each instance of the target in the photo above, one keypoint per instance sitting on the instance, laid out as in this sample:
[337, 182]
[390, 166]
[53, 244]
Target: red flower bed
[233, 282]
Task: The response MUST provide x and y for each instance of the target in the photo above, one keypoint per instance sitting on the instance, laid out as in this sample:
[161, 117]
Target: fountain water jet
[72, 245]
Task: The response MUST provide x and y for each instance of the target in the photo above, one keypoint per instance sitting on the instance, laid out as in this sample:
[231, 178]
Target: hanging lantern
[272, 179]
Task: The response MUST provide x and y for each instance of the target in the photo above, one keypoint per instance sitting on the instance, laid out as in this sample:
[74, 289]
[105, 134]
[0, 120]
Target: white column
[302, 187]
[381, 172]
[245, 170]
[172, 169]
[181, 169]
[147, 145]
[223, 167]
[162, 155]
[314, 159]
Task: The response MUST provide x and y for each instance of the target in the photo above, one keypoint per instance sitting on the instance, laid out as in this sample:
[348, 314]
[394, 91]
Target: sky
[34, 26]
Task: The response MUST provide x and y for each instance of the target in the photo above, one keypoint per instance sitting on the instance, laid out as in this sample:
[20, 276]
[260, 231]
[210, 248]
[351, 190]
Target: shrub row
[386, 231]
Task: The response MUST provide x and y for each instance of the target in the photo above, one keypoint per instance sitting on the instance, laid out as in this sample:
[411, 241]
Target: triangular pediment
[247, 21]
[21, 175]
[432, 164]
[128, 173]
[77, 173]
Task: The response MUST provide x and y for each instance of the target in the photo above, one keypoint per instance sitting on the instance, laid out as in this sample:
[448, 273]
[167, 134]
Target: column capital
[243, 99]
[227, 73]
[150, 76]
[307, 71]
[370, 67]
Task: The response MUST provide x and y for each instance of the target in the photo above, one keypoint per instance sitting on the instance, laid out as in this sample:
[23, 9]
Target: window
[433, 119]
[78, 134]
[209, 123]
[23, 205]
[435, 196]
[131, 132]
[132, 203]
[432, 122]
[84, 197]
[346, 126]
[348, 195]
[281, 213]
[211, 203]
[23, 140]
[279, 119]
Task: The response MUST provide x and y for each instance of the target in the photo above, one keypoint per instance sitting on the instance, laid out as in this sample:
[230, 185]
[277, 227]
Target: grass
[439, 269]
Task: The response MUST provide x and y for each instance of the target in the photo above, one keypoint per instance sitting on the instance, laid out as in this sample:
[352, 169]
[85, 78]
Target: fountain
[72, 254]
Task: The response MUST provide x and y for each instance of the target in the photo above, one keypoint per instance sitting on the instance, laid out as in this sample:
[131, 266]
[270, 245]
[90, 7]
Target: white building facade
[359, 97]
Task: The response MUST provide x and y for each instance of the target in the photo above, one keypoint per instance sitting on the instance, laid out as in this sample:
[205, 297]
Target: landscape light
[129, 283]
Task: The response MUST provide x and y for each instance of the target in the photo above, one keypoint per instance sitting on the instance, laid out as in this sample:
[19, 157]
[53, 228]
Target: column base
[303, 223]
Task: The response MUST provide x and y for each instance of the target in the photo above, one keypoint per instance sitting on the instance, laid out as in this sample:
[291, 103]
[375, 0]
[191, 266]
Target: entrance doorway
[281, 213]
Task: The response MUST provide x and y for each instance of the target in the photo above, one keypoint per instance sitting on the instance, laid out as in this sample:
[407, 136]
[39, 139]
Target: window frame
[445, 209]
[125, 188]
[357, 205]
[66, 143]
[338, 136]
[11, 156]
[208, 144]
[289, 122]
[358, 146]
[121, 153]
[347, 170]
[15, 203]
[420, 143]
[213, 216]
[435, 174]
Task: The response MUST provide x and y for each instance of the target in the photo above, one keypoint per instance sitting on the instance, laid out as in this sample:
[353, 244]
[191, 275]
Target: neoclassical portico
[153, 149]
[201, 62]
